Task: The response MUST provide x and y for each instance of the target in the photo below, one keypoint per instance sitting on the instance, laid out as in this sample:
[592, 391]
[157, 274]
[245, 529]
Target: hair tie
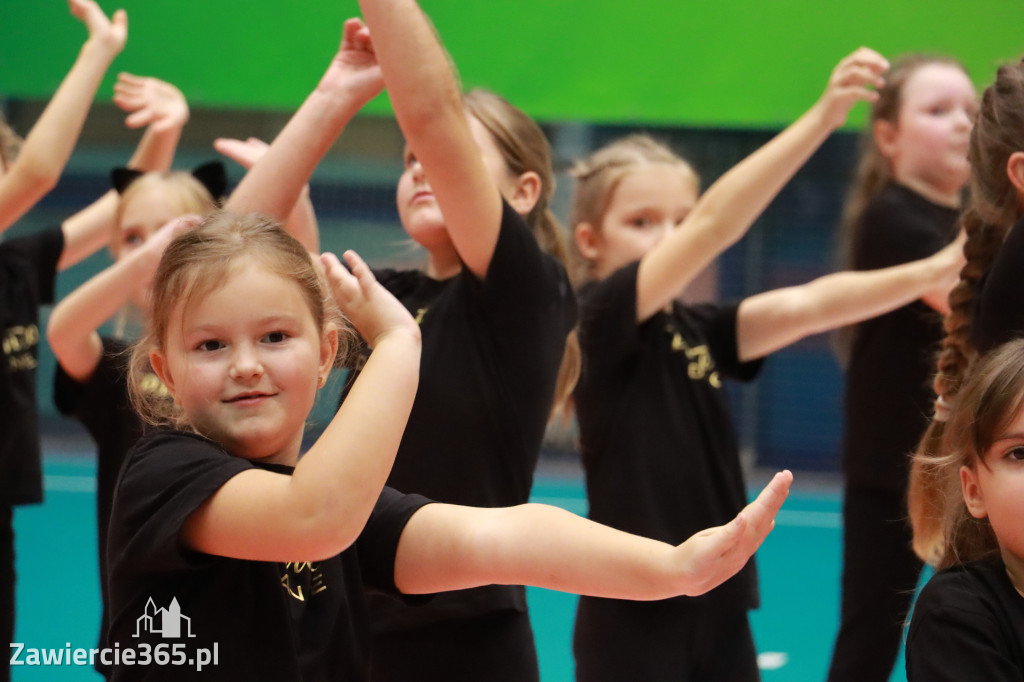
[942, 409]
[212, 176]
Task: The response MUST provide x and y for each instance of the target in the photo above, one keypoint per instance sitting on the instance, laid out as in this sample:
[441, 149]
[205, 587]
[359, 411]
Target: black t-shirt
[968, 624]
[658, 443]
[265, 620]
[998, 314]
[102, 404]
[888, 401]
[491, 353]
[28, 271]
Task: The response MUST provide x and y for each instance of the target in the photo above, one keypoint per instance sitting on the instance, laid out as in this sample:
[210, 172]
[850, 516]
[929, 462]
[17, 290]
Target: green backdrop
[735, 63]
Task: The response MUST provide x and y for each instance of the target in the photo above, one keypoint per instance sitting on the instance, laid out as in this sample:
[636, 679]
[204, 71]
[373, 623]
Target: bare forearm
[341, 476]
[302, 223]
[156, 150]
[275, 182]
[530, 544]
[726, 211]
[775, 319]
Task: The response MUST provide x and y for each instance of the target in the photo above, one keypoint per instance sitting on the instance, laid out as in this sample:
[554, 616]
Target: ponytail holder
[942, 409]
[212, 176]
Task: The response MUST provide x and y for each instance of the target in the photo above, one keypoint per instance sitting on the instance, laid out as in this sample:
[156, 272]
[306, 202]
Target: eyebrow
[267, 321]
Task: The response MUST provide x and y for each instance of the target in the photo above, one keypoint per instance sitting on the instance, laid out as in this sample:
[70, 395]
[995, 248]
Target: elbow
[40, 178]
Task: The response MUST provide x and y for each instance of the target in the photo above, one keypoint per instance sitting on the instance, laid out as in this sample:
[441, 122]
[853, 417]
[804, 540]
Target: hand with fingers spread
[354, 70]
[712, 556]
[373, 311]
[244, 152]
[150, 102]
[853, 80]
[108, 34]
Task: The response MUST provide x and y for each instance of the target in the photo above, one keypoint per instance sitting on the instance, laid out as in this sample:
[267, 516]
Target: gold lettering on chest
[701, 365]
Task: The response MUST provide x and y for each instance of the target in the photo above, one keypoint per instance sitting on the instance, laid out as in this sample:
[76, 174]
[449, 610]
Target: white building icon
[166, 622]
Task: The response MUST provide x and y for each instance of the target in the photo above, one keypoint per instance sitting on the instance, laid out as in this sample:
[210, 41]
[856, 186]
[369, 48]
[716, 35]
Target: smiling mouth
[248, 398]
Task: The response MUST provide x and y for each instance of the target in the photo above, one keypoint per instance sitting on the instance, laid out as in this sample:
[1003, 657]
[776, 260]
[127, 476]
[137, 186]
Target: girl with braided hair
[985, 307]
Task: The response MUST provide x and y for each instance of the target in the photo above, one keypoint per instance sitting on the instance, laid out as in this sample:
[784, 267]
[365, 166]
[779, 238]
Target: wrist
[408, 335]
[338, 106]
[98, 48]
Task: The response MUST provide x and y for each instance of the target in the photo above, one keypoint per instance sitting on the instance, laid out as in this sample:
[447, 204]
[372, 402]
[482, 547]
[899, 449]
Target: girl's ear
[885, 137]
[973, 497]
[526, 193]
[158, 361]
[588, 240]
[1015, 172]
[328, 351]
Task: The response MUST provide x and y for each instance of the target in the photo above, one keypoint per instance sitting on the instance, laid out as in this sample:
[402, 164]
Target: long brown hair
[991, 398]
[993, 206]
[197, 262]
[524, 147]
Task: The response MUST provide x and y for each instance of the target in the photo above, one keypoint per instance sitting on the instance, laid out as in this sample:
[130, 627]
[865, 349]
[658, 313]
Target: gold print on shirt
[701, 366]
[19, 343]
[420, 314]
[316, 581]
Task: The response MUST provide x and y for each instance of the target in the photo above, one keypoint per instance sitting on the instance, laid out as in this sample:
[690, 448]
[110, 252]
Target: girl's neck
[1014, 569]
[443, 266]
[936, 195]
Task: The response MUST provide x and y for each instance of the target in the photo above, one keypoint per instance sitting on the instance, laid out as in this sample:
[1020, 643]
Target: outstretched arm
[428, 105]
[775, 319]
[730, 206]
[322, 507]
[447, 547]
[302, 220]
[163, 110]
[276, 181]
[48, 146]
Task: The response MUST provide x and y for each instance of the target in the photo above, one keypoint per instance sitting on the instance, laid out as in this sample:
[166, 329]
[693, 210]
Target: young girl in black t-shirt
[223, 540]
[903, 205]
[28, 267]
[968, 622]
[658, 447]
[496, 310]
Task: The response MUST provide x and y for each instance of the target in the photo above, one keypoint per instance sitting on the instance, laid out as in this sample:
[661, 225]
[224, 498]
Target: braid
[994, 205]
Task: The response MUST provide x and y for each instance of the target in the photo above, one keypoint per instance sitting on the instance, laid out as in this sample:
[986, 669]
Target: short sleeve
[608, 326]
[166, 477]
[522, 280]
[999, 301]
[953, 637]
[378, 543]
[718, 324]
[97, 393]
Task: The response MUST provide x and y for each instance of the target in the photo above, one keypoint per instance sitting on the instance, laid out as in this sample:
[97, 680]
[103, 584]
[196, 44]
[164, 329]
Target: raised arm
[73, 329]
[163, 110]
[321, 509]
[302, 220]
[727, 210]
[428, 106]
[775, 319]
[276, 181]
[48, 146]
[447, 547]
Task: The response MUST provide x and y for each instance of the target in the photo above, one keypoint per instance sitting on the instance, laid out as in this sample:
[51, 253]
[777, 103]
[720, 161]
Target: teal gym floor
[58, 594]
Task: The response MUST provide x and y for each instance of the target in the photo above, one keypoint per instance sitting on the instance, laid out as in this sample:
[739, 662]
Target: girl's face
[994, 489]
[927, 146]
[646, 205]
[244, 363]
[145, 212]
[421, 216]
